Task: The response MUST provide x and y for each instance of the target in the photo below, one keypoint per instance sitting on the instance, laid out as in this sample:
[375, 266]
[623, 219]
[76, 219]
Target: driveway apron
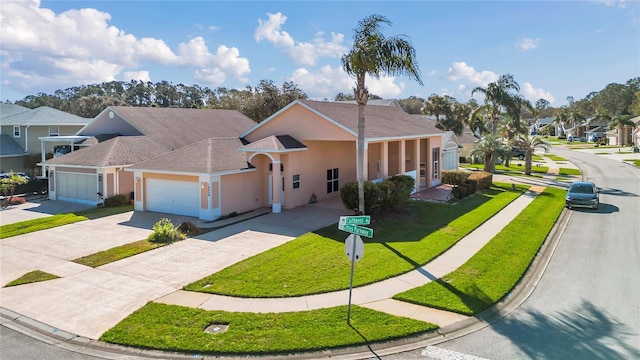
[87, 301]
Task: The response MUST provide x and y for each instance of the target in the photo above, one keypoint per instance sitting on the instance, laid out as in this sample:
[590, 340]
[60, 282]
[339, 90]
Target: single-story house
[22, 129]
[301, 154]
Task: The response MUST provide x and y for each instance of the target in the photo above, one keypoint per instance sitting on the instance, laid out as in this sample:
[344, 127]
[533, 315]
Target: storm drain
[216, 328]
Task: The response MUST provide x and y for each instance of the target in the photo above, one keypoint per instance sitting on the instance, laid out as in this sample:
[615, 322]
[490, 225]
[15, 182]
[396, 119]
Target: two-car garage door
[172, 197]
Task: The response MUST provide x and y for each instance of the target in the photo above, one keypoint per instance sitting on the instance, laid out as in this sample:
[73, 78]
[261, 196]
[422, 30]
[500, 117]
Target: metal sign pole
[353, 256]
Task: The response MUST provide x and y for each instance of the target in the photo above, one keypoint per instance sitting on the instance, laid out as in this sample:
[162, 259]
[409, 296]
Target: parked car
[576, 138]
[515, 152]
[582, 194]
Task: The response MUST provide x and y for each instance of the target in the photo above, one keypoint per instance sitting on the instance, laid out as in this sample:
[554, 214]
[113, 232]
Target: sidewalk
[377, 296]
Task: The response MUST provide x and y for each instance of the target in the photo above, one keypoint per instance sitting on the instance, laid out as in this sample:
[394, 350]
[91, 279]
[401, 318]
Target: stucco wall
[242, 192]
[302, 124]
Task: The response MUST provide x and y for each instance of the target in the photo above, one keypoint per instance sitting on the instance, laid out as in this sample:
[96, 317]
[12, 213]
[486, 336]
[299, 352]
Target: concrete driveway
[87, 301]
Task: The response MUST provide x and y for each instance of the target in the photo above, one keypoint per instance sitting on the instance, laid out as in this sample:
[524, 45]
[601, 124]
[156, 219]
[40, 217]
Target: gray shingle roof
[380, 121]
[8, 146]
[118, 151]
[208, 156]
[11, 109]
[275, 143]
[44, 116]
[177, 127]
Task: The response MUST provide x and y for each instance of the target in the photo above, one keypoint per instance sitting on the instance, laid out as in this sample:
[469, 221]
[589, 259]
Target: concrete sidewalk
[376, 296]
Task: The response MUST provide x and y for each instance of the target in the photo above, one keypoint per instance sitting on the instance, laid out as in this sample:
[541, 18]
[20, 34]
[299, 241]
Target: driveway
[87, 301]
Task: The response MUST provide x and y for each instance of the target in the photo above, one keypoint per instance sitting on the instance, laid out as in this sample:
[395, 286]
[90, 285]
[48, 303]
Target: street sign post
[353, 245]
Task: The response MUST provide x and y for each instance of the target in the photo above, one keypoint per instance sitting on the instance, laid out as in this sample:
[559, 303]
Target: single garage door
[450, 160]
[77, 187]
[173, 197]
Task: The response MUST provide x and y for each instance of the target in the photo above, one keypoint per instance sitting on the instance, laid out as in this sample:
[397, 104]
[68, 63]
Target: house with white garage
[301, 154]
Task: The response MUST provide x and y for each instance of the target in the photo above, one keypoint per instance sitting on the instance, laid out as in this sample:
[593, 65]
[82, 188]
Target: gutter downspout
[26, 139]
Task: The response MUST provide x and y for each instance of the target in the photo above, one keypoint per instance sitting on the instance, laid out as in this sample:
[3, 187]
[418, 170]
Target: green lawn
[635, 162]
[315, 262]
[25, 227]
[176, 328]
[511, 170]
[555, 157]
[31, 277]
[117, 253]
[569, 171]
[491, 273]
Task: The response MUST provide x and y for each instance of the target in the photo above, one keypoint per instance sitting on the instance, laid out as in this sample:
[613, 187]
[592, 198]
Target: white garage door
[173, 197]
[77, 187]
[450, 160]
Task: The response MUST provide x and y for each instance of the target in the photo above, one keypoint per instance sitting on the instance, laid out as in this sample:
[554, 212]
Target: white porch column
[276, 186]
[44, 168]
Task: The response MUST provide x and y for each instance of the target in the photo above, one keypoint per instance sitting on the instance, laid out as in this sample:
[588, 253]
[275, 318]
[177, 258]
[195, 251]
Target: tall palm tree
[529, 144]
[600, 119]
[374, 54]
[619, 122]
[436, 105]
[490, 148]
[498, 98]
[560, 120]
[575, 118]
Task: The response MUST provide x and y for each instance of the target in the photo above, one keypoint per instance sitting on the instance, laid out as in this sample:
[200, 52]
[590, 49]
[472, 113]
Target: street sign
[355, 220]
[354, 252]
[358, 230]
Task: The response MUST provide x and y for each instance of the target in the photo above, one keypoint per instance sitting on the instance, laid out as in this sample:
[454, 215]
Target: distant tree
[634, 107]
[374, 54]
[411, 105]
[344, 97]
[436, 105]
[542, 104]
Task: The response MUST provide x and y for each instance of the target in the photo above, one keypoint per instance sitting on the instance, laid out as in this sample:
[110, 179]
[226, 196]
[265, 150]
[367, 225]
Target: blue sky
[554, 49]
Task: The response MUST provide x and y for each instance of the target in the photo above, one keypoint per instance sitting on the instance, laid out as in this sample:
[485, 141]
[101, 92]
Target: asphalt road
[587, 304]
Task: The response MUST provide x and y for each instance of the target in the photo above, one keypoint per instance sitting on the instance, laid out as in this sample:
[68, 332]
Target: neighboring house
[624, 136]
[301, 154]
[23, 127]
[543, 123]
[451, 147]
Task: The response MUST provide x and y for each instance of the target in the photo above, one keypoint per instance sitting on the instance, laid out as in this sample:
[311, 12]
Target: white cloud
[329, 81]
[462, 71]
[142, 75]
[527, 43]
[79, 46]
[432, 72]
[532, 94]
[305, 53]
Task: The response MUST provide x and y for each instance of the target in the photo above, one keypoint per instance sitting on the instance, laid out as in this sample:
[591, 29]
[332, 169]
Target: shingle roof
[45, 116]
[380, 121]
[119, 151]
[178, 127]
[207, 156]
[11, 109]
[8, 146]
[275, 143]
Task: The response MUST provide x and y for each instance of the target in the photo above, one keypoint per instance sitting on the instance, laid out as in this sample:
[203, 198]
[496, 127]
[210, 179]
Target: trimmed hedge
[481, 179]
[378, 197]
[116, 200]
[455, 177]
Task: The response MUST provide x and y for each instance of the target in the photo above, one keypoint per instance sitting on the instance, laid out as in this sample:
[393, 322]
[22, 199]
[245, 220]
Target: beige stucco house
[210, 163]
[22, 128]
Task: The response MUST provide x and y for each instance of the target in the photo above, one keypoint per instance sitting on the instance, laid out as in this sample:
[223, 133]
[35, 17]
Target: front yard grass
[635, 162]
[316, 263]
[555, 157]
[490, 274]
[32, 277]
[569, 171]
[511, 170]
[29, 226]
[117, 253]
[177, 328]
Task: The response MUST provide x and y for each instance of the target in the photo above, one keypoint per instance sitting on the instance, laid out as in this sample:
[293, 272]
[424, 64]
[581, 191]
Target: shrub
[454, 177]
[472, 186]
[189, 229]
[482, 179]
[165, 232]
[459, 192]
[379, 197]
[116, 200]
[16, 200]
[403, 187]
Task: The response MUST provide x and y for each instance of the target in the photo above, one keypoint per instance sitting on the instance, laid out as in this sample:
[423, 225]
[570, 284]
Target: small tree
[8, 187]
[529, 144]
[490, 149]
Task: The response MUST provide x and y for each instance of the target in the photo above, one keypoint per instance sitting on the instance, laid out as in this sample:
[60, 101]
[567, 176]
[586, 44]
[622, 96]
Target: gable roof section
[381, 122]
[214, 155]
[275, 143]
[45, 116]
[118, 151]
[8, 147]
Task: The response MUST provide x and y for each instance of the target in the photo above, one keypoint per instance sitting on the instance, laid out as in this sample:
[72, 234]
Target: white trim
[243, 149]
[13, 131]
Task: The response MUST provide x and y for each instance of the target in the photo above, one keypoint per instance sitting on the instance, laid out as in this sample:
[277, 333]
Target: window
[333, 184]
[54, 131]
[436, 163]
[16, 131]
[296, 181]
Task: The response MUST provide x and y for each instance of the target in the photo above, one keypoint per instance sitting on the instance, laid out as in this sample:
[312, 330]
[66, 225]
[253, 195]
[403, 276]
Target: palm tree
[560, 120]
[600, 119]
[497, 97]
[529, 144]
[619, 122]
[575, 118]
[374, 54]
[436, 105]
[490, 148]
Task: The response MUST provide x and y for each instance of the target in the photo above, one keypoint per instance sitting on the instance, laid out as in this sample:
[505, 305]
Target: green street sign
[355, 220]
[358, 230]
